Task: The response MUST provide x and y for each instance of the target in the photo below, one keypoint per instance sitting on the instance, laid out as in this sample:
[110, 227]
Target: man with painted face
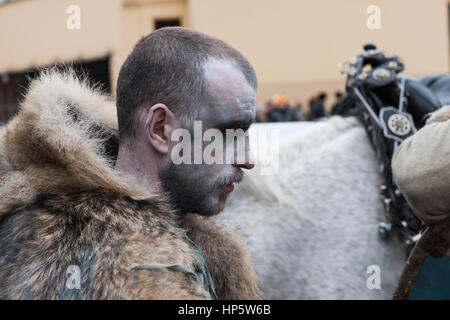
[173, 78]
[119, 217]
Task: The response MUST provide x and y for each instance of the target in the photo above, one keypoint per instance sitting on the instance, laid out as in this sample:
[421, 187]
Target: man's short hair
[166, 67]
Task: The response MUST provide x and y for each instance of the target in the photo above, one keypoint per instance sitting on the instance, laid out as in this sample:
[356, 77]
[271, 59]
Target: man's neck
[135, 164]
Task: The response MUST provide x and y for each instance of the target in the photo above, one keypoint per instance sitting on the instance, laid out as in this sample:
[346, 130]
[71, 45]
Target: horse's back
[320, 243]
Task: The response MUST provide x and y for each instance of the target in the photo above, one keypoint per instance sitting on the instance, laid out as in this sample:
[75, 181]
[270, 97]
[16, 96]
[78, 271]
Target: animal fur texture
[322, 235]
[62, 204]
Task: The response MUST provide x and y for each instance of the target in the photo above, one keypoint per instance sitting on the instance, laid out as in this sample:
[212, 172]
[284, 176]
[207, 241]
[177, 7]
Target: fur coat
[64, 209]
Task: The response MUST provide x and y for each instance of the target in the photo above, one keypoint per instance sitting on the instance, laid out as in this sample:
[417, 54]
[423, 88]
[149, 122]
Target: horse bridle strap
[396, 124]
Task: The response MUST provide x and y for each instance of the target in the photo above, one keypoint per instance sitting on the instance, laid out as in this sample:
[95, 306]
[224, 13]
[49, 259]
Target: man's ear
[159, 124]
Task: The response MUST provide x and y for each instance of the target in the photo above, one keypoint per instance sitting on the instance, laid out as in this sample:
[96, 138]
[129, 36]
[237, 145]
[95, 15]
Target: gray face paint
[203, 188]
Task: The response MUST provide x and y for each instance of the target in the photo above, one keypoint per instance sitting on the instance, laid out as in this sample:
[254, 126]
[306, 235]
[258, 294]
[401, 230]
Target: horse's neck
[319, 134]
[338, 146]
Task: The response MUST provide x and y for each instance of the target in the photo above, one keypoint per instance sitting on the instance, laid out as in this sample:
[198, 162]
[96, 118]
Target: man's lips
[229, 187]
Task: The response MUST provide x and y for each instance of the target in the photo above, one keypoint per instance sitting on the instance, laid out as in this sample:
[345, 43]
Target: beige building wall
[34, 33]
[294, 45]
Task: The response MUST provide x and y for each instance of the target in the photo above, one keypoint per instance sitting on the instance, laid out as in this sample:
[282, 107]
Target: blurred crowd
[279, 109]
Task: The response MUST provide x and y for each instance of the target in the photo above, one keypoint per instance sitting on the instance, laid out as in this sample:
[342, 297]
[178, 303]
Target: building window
[161, 23]
[13, 85]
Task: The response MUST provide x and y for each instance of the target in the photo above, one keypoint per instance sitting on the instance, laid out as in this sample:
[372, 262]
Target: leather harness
[391, 107]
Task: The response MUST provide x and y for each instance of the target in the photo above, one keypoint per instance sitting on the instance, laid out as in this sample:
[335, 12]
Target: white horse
[312, 228]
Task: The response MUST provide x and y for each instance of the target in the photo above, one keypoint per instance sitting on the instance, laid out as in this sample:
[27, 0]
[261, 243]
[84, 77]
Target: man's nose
[247, 166]
[249, 162]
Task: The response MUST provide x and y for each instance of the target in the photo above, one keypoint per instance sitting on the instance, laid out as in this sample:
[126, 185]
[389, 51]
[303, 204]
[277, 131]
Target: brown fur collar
[57, 142]
[57, 178]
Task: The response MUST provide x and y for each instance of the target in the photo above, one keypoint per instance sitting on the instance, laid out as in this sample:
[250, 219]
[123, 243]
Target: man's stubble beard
[190, 194]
